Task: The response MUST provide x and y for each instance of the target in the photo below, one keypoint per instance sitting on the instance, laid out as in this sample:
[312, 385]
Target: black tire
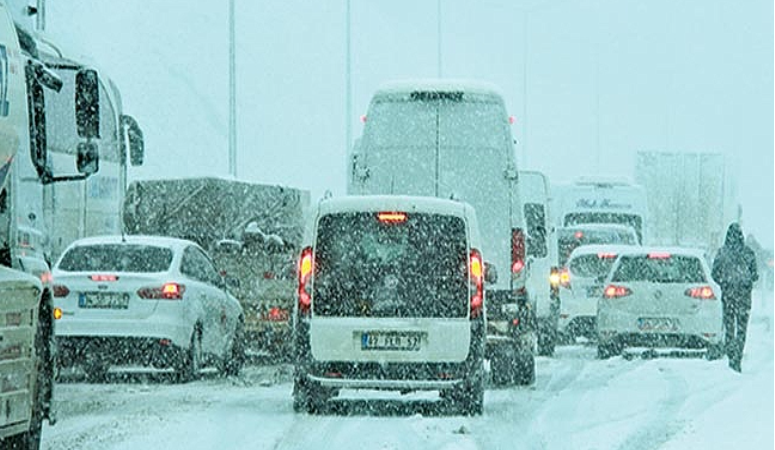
[235, 358]
[715, 352]
[29, 440]
[470, 399]
[546, 342]
[192, 359]
[501, 368]
[525, 370]
[605, 351]
[309, 397]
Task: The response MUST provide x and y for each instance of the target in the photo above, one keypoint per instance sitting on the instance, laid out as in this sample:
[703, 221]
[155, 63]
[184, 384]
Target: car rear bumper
[146, 351]
[153, 327]
[698, 329]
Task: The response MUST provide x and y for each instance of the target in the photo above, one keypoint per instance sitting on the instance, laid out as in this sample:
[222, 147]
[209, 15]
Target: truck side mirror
[87, 103]
[88, 159]
[136, 141]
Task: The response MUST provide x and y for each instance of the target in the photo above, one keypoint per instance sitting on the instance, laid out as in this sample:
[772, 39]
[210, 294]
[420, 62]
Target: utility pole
[348, 82]
[232, 95]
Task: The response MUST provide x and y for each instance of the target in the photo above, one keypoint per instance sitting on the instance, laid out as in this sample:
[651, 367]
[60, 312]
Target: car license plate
[100, 300]
[657, 324]
[392, 340]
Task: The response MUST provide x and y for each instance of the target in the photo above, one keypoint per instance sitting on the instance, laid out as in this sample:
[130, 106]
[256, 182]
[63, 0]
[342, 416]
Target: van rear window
[365, 267]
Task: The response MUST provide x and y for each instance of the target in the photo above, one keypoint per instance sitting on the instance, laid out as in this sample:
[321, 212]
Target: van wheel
[525, 366]
[714, 352]
[308, 397]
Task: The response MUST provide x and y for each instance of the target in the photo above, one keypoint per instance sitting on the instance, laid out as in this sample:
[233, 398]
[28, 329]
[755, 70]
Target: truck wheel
[546, 342]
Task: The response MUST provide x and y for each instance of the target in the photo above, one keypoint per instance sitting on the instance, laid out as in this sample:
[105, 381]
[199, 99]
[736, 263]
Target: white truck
[691, 198]
[252, 231]
[603, 200]
[54, 127]
[452, 139]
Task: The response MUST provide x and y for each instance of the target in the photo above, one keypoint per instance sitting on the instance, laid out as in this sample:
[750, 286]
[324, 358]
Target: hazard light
[391, 217]
[476, 274]
[614, 291]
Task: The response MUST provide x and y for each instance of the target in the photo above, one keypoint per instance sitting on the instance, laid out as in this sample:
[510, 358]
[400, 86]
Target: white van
[541, 256]
[452, 140]
[391, 296]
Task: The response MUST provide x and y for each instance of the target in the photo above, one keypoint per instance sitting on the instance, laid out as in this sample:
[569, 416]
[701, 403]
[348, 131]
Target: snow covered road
[577, 402]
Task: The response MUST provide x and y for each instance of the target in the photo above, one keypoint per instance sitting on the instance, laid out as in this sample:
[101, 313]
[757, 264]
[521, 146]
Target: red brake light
[60, 290]
[578, 235]
[614, 291]
[702, 292]
[606, 255]
[391, 217]
[103, 277]
[168, 291]
[517, 250]
[305, 273]
[659, 255]
[476, 274]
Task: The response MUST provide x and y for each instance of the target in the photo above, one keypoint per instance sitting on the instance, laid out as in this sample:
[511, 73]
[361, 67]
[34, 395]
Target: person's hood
[734, 237]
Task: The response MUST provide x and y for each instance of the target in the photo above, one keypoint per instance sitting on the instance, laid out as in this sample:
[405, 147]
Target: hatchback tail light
[517, 250]
[305, 274]
[614, 291]
[476, 276]
[167, 291]
[702, 292]
[60, 290]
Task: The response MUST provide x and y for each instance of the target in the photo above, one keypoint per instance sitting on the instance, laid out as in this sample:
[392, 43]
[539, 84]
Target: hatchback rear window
[673, 269]
[590, 266]
[116, 258]
[568, 239]
[365, 267]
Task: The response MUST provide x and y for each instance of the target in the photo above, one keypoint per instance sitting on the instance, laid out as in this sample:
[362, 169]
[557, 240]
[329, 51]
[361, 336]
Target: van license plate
[103, 300]
[392, 340]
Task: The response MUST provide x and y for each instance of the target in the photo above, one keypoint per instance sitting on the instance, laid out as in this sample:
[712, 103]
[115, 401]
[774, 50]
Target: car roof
[633, 250]
[157, 241]
[594, 249]
[402, 203]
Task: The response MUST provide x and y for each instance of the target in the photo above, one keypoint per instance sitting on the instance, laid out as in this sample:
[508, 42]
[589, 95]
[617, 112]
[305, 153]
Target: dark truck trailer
[253, 233]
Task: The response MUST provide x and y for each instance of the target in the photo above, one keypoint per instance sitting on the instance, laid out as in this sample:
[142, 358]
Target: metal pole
[438, 38]
[524, 88]
[348, 82]
[232, 96]
[40, 17]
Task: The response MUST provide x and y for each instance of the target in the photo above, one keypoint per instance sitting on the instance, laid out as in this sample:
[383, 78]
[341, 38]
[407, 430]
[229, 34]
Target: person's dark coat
[734, 267]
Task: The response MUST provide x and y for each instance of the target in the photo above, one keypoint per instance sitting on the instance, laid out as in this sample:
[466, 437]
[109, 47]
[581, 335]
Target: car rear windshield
[365, 267]
[672, 269]
[116, 258]
[569, 239]
[590, 266]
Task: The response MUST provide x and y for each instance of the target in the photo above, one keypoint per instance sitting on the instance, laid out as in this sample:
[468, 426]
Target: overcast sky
[605, 79]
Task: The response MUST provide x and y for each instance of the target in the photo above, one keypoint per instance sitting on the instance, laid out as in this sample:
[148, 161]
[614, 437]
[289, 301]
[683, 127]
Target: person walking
[734, 269]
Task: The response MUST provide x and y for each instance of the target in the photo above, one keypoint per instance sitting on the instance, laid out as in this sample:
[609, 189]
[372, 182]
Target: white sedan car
[581, 284]
[143, 300]
[660, 297]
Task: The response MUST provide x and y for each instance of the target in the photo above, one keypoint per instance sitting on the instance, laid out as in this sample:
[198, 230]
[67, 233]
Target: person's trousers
[736, 315]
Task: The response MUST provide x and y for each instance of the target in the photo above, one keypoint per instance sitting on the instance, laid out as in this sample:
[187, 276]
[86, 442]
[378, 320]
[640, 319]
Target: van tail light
[305, 273]
[60, 290]
[167, 291]
[702, 293]
[517, 250]
[476, 276]
[614, 291]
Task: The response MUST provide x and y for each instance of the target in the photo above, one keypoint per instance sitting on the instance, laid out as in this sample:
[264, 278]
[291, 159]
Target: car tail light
[306, 264]
[578, 235]
[659, 255]
[614, 291]
[517, 250]
[276, 314]
[702, 292]
[167, 291]
[60, 290]
[104, 277]
[476, 275]
[606, 255]
[391, 217]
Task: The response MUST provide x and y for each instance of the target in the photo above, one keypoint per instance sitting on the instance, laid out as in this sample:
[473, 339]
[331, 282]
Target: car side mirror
[136, 141]
[490, 273]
